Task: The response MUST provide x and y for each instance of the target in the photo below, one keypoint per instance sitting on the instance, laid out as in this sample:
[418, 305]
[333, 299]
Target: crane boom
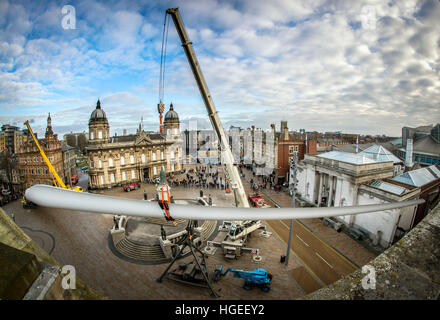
[230, 169]
[49, 165]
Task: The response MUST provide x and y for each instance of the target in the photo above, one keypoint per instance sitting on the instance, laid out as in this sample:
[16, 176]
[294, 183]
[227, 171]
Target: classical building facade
[33, 169]
[131, 158]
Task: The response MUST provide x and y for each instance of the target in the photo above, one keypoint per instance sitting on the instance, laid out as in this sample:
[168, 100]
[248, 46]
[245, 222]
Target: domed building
[139, 157]
[98, 126]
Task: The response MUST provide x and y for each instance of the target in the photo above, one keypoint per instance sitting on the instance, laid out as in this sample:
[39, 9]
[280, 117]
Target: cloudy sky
[366, 67]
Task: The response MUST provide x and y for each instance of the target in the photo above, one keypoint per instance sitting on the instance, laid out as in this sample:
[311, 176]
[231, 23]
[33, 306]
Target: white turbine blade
[53, 197]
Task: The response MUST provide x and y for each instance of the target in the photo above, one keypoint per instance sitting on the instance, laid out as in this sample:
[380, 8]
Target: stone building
[33, 169]
[287, 145]
[131, 158]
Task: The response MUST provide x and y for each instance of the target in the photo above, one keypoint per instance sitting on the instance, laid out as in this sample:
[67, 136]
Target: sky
[368, 67]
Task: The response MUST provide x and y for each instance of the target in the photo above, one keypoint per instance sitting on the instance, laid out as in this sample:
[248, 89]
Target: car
[6, 192]
[130, 186]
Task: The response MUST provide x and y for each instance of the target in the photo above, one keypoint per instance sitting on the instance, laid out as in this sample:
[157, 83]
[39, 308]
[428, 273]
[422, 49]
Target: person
[210, 200]
[145, 195]
[201, 193]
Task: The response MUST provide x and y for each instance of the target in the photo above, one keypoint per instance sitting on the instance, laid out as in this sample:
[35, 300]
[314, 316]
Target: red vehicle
[75, 179]
[130, 186]
[258, 201]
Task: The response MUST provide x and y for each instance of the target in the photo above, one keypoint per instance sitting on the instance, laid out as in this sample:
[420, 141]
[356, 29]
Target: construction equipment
[231, 170]
[194, 273]
[258, 277]
[58, 182]
[235, 235]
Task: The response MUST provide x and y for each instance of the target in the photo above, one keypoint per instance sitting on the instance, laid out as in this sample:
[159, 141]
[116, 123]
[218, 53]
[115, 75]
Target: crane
[230, 170]
[58, 181]
[258, 277]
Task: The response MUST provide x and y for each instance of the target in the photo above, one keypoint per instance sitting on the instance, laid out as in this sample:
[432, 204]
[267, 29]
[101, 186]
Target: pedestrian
[145, 195]
[210, 200]
[13, 217]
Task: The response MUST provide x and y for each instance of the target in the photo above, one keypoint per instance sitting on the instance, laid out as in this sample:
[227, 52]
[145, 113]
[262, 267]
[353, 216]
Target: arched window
[131, 159]
[122, 161]
[154, 155]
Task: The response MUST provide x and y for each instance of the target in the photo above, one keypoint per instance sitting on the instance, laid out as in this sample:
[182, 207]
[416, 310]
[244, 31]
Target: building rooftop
[419, 177]
[353, 158]
[380, 154]
[388, 187]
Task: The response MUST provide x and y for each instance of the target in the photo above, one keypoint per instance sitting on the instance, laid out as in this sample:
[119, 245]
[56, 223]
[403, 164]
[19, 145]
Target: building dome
[171, 115]
[98, 114]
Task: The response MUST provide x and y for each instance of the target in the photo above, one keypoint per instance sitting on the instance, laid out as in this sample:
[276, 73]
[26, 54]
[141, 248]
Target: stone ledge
[409, 270]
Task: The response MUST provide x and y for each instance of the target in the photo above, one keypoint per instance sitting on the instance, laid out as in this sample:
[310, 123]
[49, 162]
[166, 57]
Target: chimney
[409, 153]
[286, 133]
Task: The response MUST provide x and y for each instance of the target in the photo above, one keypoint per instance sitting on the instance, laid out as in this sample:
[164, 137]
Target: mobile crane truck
[258, 277]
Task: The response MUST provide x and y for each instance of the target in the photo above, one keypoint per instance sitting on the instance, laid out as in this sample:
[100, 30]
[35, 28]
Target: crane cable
[163, 55]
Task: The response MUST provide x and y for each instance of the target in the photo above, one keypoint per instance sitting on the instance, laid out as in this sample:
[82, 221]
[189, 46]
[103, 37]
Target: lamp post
[292, 185]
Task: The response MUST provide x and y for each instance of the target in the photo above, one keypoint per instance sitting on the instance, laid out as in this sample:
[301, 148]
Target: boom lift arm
[230, 169]
[49, 165]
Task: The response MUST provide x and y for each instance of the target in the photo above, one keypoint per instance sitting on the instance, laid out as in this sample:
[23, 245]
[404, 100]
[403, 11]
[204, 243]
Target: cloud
[316, 64]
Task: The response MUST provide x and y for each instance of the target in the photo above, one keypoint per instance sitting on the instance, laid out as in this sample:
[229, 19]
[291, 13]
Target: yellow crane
[58, 182]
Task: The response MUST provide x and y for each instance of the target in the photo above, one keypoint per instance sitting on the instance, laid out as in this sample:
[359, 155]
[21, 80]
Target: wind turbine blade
[53, 197]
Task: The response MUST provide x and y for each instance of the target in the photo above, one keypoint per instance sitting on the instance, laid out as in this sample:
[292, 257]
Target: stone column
[321, 177]
[330, 192]
[355, 202]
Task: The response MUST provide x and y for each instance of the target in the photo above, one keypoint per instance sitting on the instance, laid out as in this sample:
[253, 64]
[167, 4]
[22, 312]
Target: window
[143, 158]
[99, 134]
[172, 167]
[131, 159]
[154, 155]
[154, 170]
[100, 164]
[92, 135]
[122, 161]
[102, 179]
[161, 155]
[91, 163]
[172, 154]
[123, 176]
[112, 178]
[132, 174]
[290, 149]
[110, 162]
